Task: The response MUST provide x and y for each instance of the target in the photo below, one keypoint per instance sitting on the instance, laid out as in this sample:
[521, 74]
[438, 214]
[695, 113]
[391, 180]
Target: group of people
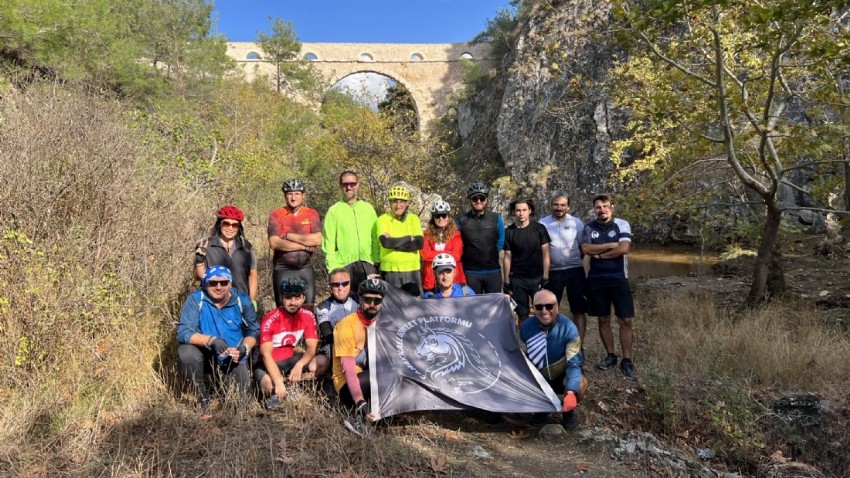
[366, 253]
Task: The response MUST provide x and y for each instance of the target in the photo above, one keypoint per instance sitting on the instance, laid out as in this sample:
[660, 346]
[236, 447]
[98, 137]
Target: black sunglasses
[548, 306]
[440, 216]
[214, 283]
[479, 199]
[372, 300]
[340, 284]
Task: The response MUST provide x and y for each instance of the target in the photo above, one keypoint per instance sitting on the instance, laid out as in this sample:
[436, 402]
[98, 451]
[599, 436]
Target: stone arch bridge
[431, 72]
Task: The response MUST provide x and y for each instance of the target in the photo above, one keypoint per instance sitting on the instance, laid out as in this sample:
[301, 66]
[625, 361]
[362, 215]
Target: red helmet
[231, 212]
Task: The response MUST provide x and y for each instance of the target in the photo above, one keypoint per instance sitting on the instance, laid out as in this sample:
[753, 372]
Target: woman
[227, 246]
[441, 236]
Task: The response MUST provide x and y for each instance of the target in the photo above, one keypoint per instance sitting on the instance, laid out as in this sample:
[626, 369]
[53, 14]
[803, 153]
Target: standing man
[217, 330]
[526, 256]
[400, 236]
[608, 240]
[553, 345]
[295, 231]
[566, 268]
[347, 233]
[351, 379]
[282, 330]
[483, 235]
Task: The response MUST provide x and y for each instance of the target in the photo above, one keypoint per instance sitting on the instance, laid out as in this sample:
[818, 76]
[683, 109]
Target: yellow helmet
[398, 192]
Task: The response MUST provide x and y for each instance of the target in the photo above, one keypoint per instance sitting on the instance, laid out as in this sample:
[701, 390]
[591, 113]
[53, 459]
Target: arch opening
[309, 56]
[380, 92]
[253, 56]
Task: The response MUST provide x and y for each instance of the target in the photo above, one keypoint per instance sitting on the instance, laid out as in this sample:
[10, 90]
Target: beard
[370, 313]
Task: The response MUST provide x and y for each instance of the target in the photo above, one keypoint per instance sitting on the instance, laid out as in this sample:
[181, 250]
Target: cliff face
[552, 123]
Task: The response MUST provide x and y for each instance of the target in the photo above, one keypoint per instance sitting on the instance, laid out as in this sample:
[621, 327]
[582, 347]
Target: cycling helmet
[294, 285]
[398, 192]
[294, 185]
[231, 212]
[442, 261]
[477, 189]
[373, 286]
[441, 207]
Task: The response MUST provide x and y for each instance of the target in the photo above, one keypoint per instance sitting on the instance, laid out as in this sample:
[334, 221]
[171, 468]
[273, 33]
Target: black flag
[451, 354]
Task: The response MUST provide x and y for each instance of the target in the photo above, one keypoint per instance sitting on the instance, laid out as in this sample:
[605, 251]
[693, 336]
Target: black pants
[345, 394]
[193, 362]
[358, 272]
[490, 283]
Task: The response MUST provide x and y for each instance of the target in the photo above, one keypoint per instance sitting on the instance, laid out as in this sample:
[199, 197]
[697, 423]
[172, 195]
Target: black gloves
[243, 351]
[544, 283]
[507, 288]
[218, 346]
[361, 408]
[200, 255]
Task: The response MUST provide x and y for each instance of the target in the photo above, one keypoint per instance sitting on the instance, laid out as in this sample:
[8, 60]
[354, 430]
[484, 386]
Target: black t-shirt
[524, 244]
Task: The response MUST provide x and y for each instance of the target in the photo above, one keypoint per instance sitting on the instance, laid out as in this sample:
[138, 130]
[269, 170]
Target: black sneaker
[628, 369]
[272, 402]
[608, 362]
[568, 420]
[357, 425]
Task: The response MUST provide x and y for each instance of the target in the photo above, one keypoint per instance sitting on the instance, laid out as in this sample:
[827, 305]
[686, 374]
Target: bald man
[552, 343]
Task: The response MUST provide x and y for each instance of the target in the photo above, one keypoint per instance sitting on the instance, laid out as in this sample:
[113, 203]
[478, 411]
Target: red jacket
[454, 246]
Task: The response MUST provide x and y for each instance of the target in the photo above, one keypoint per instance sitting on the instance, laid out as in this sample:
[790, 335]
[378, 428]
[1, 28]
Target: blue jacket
[555, 353]
[457, 291]
[233, 322]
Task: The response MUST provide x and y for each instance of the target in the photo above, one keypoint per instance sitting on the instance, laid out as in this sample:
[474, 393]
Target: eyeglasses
[479, 199]
[348, 185]
[232, 224]
[548, 306]
[341, 284]
[372, 300]
[216, 283]
[440, 216]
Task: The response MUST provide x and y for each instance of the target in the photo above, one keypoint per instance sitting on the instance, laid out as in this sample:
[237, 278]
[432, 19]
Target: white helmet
[443, 261]
[441, 207]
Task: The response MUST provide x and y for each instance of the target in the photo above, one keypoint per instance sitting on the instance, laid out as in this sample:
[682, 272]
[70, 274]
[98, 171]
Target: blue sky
[360, 21]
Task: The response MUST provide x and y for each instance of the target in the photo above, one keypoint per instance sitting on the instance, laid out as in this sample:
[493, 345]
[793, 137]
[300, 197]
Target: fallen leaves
[438, 464]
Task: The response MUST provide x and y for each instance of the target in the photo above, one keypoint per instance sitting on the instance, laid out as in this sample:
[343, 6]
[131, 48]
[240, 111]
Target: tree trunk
[762, 267]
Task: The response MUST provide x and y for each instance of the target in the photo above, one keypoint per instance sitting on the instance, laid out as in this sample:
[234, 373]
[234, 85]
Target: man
[566, 268]
[350, 377]
[444, 271]
[341, 303]
[217, 330]
[347, 232]
[483, 235]
[608, 240]
[553, 345]
[400, 236]
[294, 233]
[526, 263]
[281, 331]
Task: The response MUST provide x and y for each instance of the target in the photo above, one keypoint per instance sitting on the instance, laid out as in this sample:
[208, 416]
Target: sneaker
[608, 362]
[628, 369]
[356, 425]
[272, 402]
[568, 420]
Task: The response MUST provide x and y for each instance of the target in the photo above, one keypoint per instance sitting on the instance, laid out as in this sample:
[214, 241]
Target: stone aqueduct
[431, 72]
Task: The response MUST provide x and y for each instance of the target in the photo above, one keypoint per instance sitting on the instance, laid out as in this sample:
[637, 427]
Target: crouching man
[552, 343]
[217, 330]
[282, 330]
[350, 374]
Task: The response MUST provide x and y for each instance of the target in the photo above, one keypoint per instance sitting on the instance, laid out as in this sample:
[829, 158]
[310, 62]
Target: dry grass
[780, 345]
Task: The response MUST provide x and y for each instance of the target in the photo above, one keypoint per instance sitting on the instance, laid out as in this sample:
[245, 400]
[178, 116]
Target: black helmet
[373, 286]
[294, 185]
[294, 285]
[477, 189]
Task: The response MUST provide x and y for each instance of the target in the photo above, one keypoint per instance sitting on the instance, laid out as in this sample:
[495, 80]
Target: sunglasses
[548, 306]
[216, 283]
[372, 300]
[348, 185]
[232, 224]
[341, 284]
[479, 199]
[440, 216]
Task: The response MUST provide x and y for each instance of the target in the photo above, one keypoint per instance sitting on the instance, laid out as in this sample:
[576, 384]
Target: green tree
[282, 48]
[399, 105]
[731, 99]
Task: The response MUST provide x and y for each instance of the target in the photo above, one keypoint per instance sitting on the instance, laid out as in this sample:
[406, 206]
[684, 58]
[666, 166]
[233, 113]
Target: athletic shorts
[285, 366]
[607, 291]
[576, 284]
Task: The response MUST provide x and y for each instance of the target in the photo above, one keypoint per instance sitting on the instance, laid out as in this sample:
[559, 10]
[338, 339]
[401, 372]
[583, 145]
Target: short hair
[602, 197]
[559, 194]
[339, 270]
[347, 172]
[512, 205]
